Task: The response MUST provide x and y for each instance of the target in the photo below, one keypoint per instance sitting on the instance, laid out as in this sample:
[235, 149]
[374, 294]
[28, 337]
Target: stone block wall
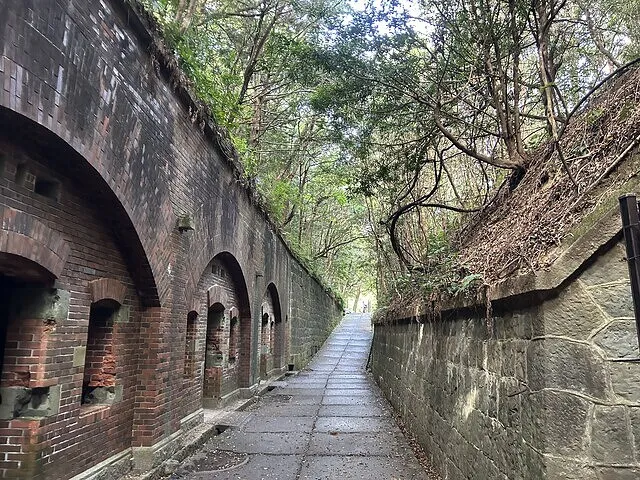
[547, 388]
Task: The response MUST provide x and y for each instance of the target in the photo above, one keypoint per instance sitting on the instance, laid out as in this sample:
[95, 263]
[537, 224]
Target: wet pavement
[329, 421]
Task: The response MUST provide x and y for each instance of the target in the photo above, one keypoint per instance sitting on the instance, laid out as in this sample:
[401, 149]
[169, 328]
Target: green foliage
[254, 65]
[369, 130]
[443, 275]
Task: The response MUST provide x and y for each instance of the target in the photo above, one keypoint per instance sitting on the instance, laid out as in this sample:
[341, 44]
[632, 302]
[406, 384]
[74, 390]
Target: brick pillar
[150, 415]
[190, 345]
[212, 386]
[278, 357]
[28, 376]
[286, 349]
[244, 353]
[264, 345]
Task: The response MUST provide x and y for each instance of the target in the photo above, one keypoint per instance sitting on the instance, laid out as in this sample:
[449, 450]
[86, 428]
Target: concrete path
[328, 422]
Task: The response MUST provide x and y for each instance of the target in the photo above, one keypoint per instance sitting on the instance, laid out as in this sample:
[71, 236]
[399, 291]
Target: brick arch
[107, 289]
[272, 293]
[216, 294]
[227, 365]
[23, 235]
[118, 202]
[202, 261]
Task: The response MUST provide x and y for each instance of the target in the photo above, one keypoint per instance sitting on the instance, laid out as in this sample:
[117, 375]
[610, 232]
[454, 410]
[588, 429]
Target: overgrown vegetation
[249, 63]
[387, 136]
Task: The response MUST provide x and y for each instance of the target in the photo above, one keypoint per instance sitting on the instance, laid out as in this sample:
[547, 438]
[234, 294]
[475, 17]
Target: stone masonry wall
[546, 389]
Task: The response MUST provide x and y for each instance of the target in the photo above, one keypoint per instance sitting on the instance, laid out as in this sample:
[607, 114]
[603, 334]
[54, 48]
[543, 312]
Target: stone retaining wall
[548, 387]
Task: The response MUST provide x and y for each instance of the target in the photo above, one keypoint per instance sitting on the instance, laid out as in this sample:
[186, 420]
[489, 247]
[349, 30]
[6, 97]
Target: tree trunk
[357, 299]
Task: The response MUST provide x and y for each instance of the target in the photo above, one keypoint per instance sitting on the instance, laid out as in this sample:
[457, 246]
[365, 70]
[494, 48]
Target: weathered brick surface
[59, 323]
[547, 390]
[99, 158]
[107, 289]
[308, 320]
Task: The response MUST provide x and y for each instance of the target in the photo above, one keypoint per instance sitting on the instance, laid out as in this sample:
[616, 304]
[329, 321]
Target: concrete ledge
[229, 398]
[192, 419]
[146, 458]
[112, 468]
[210, 402]
[277, 372]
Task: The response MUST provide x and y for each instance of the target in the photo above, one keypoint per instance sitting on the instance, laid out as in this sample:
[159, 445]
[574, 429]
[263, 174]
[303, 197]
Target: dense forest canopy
[375, 129]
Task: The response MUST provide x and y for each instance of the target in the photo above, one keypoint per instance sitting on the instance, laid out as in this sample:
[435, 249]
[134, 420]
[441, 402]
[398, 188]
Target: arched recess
[272, 333]
[99, 373]
[42, 143]
[32, 256]
[222, 300]
[29, 305]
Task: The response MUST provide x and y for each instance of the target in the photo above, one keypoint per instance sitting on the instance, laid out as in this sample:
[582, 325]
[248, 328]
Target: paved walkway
[328, 422]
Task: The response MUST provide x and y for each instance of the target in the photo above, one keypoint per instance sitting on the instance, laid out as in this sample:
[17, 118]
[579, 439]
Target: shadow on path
[329, 421]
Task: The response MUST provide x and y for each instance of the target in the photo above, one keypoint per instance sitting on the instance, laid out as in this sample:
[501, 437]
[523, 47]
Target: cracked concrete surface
[329, 421]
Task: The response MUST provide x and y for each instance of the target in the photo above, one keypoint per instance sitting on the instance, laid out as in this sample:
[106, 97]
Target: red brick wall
[80, 91]
[40, 351]
[190, 345]
[25, 356]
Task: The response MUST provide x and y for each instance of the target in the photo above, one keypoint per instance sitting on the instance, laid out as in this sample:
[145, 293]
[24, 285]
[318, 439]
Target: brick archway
[32, 256]
[273, 339]
[221, 301]
[107, 289]
[23, 235]
[119, 205]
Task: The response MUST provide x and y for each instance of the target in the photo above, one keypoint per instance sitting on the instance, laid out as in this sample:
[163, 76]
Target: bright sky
[411, 7]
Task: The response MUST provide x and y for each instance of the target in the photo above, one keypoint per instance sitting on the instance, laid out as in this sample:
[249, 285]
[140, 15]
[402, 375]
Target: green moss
[594, 115]
[608, 204]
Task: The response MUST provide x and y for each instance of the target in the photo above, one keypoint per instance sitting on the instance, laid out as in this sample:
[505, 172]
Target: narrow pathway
[328, 422]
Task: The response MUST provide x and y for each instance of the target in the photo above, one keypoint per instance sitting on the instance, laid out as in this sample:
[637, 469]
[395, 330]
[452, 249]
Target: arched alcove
[223, 297]
[272, 333]
[42, 143]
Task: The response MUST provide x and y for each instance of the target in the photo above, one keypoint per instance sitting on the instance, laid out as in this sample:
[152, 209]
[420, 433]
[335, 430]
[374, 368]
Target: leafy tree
[438, 103]
[378, 128]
